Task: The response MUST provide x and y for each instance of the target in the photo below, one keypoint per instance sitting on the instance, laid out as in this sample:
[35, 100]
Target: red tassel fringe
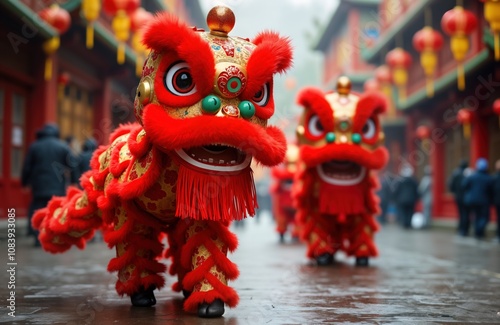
[203, 196]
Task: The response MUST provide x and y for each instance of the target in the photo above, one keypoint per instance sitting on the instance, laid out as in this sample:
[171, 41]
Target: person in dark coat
[496, 195]
[45, 170]
[385, 195]
[88, 148]
[455, 186]
[477, 195]
[406, 196]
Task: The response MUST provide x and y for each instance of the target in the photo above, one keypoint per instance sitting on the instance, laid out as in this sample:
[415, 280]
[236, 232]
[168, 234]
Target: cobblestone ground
[421, 277]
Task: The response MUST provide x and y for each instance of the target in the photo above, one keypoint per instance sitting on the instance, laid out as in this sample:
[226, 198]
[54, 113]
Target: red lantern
[121, 10]
[138, 21]
[60, 20]
[371, 85]
[496, 108]
[399, 60]
[464, 117]
[428, 41]
[423, 132]
[459, 23]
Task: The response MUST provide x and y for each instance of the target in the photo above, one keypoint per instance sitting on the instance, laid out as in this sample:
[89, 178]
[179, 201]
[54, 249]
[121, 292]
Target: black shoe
[144, 298]
[215, 309]
[324, 259]
[282, 238]
[186, 293]
[361, 261]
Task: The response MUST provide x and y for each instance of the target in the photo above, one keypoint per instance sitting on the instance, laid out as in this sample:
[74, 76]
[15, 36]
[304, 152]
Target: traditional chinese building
[440, 109]
[88, 93]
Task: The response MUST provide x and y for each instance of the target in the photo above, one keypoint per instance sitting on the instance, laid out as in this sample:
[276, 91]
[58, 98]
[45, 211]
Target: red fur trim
[122, 130]
[203, 196]
[314, 99]
[369, 107]
[267, 145]
[375, 159]
[138, 148]
[273, 54]
[134, 188]
[132, 286]
[226, 294]
[166, 33]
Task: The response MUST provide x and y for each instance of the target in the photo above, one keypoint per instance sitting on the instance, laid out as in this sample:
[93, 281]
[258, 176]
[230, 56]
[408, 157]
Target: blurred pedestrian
[455, 186]
[477, 196]
[496, 195]
[88, 148]
[406, 196]
[425, 193]
[385, 194]
[45, 169]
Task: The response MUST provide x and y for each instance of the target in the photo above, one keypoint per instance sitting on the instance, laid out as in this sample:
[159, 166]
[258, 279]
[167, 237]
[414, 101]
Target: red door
[13, 117]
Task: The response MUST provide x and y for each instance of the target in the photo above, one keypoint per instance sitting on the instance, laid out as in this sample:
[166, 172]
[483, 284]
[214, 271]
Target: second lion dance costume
[202, 103]
[340, 140]
[281, 193]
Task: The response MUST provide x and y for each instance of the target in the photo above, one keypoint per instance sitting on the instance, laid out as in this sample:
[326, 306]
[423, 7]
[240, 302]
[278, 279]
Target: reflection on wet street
[420, 277]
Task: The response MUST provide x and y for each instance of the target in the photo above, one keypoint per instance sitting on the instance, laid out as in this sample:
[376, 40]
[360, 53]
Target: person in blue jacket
[477, 195]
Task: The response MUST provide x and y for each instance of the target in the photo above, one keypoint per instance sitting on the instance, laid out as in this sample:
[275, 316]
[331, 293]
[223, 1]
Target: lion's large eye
[314, 127]
[178, 79]
[369, 129]
[261, 97]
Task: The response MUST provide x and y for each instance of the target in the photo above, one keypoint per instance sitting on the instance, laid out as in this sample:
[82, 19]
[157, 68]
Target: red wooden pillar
[479, 138]
[44, 101]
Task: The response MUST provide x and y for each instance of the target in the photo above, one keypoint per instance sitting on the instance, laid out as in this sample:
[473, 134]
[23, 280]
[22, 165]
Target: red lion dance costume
[281, 193]
[339, 136]
[202, 103]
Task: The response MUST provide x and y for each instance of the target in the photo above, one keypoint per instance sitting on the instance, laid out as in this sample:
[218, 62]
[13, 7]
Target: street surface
[421, 277]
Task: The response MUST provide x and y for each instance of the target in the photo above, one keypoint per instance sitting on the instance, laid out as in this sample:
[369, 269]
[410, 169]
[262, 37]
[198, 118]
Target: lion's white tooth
[210, 160]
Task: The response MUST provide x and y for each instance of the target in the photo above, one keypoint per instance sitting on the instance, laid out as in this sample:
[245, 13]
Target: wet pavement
[424, 277]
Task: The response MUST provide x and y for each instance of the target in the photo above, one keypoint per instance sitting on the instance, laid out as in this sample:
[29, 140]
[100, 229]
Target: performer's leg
[361, 241]
[320, 245]
[137, 240]
[204, 255]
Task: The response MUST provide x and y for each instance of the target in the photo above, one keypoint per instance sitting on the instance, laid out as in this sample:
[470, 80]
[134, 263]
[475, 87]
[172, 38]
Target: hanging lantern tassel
[90, 10]
[139, 50]
[50, 46]
[121, 27]
[428, 60]
[460, 47]
[492, 15]
[400, 79]
[90, 36]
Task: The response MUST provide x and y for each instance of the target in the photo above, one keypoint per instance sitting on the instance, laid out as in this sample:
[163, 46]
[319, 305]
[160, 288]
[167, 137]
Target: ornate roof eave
[338, 15]
[413, 14]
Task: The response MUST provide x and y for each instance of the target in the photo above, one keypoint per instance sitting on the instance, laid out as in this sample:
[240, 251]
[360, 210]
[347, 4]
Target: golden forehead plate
[220, 21]
[343, 102]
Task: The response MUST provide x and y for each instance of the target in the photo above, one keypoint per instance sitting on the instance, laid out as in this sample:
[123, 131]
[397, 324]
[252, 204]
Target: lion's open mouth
[344, 173]
[216, 157]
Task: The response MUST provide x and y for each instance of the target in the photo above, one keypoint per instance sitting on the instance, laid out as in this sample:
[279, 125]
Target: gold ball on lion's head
[221, 20]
